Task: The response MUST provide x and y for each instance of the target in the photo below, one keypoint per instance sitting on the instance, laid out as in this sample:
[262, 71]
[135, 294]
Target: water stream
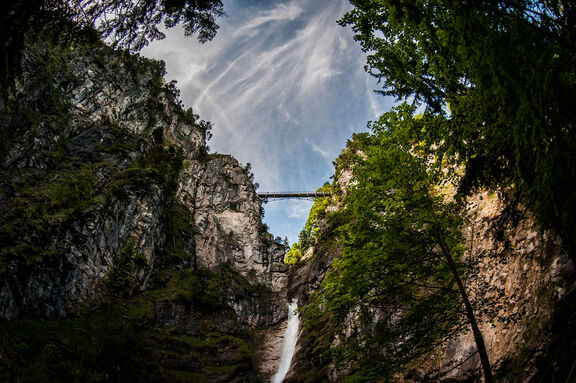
[289, 345]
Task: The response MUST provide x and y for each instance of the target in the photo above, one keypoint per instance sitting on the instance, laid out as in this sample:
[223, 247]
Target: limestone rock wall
[110, 118]
[83, 110]
[269, 351]
[229, 231]
[57, 285]
[227, 217]
[520, 275]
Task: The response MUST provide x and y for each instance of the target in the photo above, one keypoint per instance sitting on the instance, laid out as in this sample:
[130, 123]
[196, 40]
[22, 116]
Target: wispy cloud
[323, 152]
[283, 84]
[281, 13]
[298, 209]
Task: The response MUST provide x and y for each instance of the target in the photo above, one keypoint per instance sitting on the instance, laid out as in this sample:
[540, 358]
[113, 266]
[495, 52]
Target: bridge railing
[284, 195]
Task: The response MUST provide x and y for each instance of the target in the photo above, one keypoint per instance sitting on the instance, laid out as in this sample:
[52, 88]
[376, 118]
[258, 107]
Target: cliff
[520, 280]
[119, 231]
[130, 253]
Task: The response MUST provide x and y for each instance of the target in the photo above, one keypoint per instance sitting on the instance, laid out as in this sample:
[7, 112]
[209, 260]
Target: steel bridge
[285, 195]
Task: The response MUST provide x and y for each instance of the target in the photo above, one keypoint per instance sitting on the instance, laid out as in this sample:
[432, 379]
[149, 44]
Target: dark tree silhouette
[124, 24]
[502, 72]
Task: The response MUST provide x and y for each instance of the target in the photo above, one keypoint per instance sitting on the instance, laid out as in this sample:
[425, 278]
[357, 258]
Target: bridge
[285, 195]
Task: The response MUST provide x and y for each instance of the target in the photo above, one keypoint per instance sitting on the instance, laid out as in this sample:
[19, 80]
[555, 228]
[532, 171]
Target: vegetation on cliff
[498, 78]
[486, 86]
[173, 332]
[48, 188]
[489, 90]
[98, 272]
[309, 235]
[402, 250]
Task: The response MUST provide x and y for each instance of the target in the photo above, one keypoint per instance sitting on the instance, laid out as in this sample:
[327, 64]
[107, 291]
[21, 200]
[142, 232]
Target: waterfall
[289, 346]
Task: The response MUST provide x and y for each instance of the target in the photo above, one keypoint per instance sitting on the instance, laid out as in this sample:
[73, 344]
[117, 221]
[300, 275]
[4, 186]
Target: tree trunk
[480, 346]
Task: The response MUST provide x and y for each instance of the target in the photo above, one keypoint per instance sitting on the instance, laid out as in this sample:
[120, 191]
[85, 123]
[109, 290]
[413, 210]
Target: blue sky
[284, 87]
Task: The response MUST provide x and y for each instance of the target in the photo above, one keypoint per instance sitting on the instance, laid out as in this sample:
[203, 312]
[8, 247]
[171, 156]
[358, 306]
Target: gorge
[131, 253]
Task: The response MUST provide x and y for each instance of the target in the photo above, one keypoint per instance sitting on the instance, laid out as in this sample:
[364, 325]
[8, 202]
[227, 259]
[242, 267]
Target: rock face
[57, 286]
[106, 118]
[521, 279]
[228, 230]
[227, 217]
[108, 195]
[269, 350]
[523, 273]
[95, 104]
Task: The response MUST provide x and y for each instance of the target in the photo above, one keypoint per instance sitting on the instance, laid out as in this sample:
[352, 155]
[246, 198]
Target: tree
[132, 24]
[502, 73]
[402, 253]
[126, 24]
[309, 235]
[317, 210]
[304, 239]
[293, 254]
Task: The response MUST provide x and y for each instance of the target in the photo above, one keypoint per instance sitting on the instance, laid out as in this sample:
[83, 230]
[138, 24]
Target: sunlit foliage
[503, 76]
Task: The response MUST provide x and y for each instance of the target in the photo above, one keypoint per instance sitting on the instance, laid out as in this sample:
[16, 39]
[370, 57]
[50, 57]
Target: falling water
[289, 346]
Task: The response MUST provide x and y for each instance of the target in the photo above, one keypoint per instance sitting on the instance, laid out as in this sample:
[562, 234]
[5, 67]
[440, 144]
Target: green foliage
[227, 276]
[121, 276]
[158, 135]
[294, 254]
[123, 23]
[135, 64]
[198, 289]
[121, 341]
[203, 155]
[318, 209]
[22, 23]
[48, 111]
[72, 190]
[309, 235]
[40, 202]
[36, 205]
[160, 164]
[499, 75]
[393, 226]
[179, 230]
[350, 154]
[166, 161]
[133, 26]
[65, 351]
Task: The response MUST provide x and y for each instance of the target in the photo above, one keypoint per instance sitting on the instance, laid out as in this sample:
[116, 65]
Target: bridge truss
[265, 197]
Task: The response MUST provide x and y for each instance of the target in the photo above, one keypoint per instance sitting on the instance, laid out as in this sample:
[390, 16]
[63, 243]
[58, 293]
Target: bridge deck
[280, 195]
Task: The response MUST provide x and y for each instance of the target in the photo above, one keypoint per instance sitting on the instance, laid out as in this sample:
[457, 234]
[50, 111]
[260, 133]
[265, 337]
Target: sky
[284, 87]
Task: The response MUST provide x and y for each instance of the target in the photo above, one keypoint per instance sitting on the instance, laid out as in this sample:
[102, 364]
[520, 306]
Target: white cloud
[323, 152]
[298, 209]
[207, 89]
[282, 13]
[282, 85]
[194, 69]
